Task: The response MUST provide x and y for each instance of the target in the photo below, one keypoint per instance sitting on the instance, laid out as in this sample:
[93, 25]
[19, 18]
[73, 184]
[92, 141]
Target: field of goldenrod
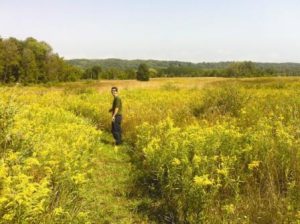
[228, 153]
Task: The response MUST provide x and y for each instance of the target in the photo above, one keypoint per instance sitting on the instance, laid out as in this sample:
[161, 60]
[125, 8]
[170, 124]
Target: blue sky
[190, 30]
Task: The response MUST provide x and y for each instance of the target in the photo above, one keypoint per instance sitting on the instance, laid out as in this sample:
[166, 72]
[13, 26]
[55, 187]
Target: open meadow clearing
[196, 150]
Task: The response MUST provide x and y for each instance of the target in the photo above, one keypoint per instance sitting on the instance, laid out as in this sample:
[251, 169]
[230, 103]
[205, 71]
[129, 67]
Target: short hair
[114, 88]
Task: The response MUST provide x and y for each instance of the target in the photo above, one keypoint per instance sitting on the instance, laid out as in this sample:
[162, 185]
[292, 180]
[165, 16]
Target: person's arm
[112, 107]
[117, 107]
[115, 113]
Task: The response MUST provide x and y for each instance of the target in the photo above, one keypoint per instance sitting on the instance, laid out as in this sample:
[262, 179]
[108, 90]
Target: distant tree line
[97, 72]
[32, 61]
[234, 69]
[128, 69]
[143, 72]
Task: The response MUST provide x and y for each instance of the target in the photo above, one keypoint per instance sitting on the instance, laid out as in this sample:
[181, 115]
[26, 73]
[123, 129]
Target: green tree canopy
[242, 69]
[33, 61]
[143, 73]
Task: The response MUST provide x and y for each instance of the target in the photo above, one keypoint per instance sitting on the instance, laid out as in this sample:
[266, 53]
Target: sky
[184, 30]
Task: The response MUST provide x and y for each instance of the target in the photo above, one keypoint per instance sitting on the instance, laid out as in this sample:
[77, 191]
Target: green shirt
[117, 103]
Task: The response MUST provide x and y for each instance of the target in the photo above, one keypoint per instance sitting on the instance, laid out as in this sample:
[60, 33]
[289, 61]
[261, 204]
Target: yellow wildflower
[176, 162]
[8, 217]
[203, 180]
[223, 171]
[196, 159]
[230, 209]
[58, 211]
[254, 164]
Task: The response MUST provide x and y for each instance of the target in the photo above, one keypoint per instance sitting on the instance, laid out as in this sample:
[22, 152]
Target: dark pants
[116, 129]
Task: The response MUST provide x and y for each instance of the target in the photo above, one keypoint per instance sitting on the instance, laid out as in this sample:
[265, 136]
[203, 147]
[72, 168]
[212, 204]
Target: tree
[96, 70]
[11, 60]
[143, 73]
[42, 52]
[153, 72]
[33, 61]
[130, 73]
[71, 72]
[93, 72]
[29, 70]
[111, 73]
[241, 69]
[53, 69]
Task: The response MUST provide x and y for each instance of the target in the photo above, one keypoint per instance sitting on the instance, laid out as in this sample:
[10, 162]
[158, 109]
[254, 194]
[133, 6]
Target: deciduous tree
[143, 73]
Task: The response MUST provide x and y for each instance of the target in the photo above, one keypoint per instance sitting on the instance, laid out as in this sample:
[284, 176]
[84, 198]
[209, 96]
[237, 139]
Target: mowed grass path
[109, 192]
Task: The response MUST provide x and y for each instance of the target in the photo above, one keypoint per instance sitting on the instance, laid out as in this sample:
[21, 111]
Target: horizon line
[171, 60]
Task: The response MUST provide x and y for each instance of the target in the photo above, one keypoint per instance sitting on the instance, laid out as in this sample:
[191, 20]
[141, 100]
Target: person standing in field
[116, 111]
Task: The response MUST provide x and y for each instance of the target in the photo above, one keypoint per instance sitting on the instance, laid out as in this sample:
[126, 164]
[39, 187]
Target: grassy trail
[109, 191]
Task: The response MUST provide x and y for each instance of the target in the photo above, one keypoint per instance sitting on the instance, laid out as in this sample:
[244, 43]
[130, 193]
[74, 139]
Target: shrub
[225, 100]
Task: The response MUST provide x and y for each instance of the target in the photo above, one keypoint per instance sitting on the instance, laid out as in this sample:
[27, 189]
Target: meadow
[196, 150]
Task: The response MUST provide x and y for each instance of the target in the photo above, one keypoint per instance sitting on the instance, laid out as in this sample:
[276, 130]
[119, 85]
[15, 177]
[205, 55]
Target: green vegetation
[188, 69]
[143, 73]
[227, 153]
[92, 73]
[31, 61]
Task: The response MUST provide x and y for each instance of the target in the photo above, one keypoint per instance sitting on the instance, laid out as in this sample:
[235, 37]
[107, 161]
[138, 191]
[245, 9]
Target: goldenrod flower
[254, 164]
[203, 180]
[176, 162]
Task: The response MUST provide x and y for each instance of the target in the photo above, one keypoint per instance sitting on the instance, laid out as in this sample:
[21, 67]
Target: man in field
[116, 111]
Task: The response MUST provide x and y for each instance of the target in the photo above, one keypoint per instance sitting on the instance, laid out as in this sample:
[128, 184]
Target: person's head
[114, 91]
